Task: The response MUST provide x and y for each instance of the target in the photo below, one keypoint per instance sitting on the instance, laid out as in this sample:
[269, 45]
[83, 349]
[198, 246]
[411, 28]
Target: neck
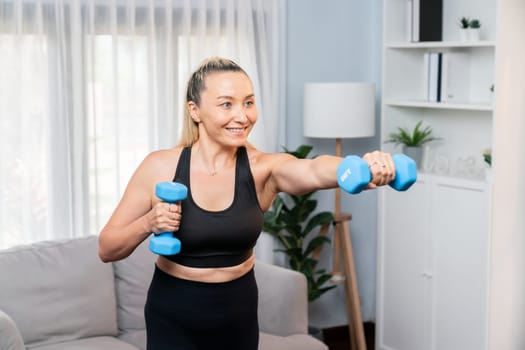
[214, 160]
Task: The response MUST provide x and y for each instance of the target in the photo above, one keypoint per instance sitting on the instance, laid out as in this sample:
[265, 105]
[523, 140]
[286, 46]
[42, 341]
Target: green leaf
[314, 243]
[287, 241]
[301, 212]
[301, 152]
[319, 219]
[323, 279]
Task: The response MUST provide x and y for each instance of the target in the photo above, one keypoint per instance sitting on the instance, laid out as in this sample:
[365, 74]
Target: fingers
[166, 217]
[382, 168]
[174, 208]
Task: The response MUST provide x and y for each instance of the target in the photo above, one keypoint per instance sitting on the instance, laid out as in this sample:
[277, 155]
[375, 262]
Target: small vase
[488, 175]
[473, 34]
[416, 153]
[464, 34]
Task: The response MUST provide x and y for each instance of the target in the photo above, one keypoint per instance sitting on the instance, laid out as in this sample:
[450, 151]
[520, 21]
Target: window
[118, 106]
[88, 88]
[24, 110]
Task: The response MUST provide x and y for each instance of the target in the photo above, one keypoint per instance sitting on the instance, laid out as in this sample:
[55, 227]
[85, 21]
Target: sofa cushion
[58, 291]
[137, 338]
[291, 342]
[283, 300]
[132, 279]
[94, 343]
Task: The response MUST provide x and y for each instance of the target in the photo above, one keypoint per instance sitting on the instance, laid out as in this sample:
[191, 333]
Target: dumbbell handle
[353, 173]
[164, 243]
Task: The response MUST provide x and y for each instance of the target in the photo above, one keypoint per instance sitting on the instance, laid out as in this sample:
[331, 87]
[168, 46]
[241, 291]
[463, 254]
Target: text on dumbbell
[345, 175]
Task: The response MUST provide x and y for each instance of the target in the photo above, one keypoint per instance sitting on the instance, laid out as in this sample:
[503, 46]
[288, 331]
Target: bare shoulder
[264, 166]
[161, 156]
[269, 161]
[160, 165]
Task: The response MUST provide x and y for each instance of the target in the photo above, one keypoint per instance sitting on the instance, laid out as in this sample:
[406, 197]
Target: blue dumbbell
[353, 173]
[164, 243]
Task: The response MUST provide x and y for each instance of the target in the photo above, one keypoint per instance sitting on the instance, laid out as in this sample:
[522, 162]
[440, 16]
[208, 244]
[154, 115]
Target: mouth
[236, 131]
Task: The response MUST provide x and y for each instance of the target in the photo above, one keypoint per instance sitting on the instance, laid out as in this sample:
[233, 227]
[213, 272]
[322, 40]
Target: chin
[237, 140]
[239, 143]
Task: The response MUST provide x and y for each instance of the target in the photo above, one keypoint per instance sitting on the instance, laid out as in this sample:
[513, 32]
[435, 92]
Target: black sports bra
[219, 238]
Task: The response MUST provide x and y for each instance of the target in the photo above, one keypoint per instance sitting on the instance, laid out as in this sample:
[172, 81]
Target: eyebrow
[231, 98]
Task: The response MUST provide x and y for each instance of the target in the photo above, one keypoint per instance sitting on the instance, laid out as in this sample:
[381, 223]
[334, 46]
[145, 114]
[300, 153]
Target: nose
[240, 115]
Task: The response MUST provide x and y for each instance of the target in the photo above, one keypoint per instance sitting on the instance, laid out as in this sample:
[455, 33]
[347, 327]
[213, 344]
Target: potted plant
[291, 220]
[474, 29]
[487, 158]
[412, 141]
[463, 28]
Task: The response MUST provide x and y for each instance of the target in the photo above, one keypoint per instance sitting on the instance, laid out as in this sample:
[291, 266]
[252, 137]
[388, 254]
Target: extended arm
[297, 176]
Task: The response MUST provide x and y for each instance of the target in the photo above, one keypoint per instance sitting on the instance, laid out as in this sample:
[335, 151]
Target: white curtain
[89, 87]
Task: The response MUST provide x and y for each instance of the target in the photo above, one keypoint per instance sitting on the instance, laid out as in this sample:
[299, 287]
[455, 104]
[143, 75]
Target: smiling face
[226, 112]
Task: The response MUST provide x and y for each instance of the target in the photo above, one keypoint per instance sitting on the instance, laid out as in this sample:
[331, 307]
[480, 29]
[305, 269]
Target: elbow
[108, 251]
[108, 257]
[103, 255]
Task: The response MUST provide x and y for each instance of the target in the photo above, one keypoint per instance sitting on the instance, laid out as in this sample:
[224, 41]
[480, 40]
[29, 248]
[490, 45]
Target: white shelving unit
[434, 239]
[405, 103]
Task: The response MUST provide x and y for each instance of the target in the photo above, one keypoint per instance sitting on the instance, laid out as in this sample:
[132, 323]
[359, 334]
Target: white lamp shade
[339, 110]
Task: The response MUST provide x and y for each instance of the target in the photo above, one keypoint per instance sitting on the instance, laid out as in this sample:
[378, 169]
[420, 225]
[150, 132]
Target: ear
[193, 109]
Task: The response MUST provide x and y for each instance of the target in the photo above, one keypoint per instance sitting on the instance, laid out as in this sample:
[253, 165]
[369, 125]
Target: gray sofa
[58, 295]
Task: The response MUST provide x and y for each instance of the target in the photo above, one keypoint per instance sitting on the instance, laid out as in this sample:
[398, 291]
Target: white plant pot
[473, 34]
[488, 175]
[416, 153]
[464, 34]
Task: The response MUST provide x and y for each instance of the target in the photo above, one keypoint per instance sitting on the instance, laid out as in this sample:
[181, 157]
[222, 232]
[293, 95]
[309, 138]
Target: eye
[249, 103]
[226, 104]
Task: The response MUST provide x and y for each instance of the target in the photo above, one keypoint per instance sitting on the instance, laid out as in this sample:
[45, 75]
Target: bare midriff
[208, 274]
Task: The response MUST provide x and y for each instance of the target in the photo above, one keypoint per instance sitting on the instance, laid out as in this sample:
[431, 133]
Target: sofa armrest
[283, 300]
[10, 338]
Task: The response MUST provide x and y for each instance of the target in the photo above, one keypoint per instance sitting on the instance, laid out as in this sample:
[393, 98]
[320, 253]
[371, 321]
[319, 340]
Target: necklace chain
[216, 171]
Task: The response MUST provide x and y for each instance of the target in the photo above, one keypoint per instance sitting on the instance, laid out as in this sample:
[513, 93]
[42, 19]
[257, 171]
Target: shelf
[440, 44]
[439, 105]
[468, 183]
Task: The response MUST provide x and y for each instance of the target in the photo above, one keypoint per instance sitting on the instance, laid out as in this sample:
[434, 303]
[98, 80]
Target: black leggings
[184, 315]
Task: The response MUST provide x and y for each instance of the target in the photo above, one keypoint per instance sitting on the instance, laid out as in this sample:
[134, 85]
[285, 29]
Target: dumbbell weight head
[171, 192]
[406, 172]
[353, 173]
[164, 243]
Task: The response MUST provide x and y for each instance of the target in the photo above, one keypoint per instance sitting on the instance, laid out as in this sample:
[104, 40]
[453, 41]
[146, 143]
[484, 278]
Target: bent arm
[140, 212]
[128, 225]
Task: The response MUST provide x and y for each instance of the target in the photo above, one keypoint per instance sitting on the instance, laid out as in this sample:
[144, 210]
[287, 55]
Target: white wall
[334, 41]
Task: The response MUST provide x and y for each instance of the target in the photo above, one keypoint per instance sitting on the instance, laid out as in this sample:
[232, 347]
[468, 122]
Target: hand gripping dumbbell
[353, 173]
[164, 243]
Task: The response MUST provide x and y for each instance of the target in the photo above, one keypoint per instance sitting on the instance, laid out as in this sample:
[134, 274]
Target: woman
[205, 297]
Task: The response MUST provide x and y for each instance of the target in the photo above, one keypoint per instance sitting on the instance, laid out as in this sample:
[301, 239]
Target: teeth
[236, 129]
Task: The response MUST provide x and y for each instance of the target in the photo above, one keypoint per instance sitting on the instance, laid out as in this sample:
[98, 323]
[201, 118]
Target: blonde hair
[196, 84]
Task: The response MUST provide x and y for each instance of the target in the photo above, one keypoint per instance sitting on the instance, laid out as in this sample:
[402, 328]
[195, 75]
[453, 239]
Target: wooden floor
[337, 338]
